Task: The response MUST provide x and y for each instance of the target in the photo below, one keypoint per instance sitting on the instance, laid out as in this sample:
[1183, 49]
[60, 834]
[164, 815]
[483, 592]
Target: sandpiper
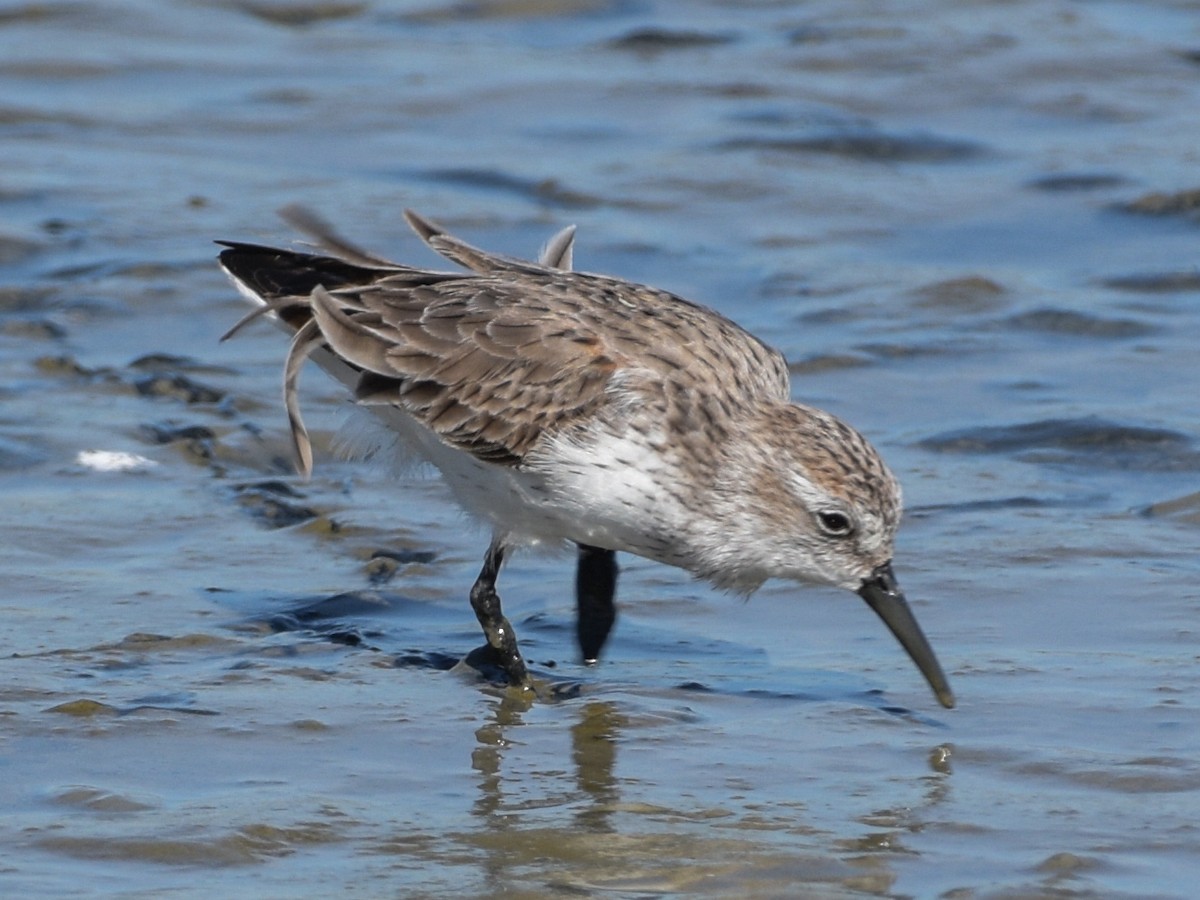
[566, 406]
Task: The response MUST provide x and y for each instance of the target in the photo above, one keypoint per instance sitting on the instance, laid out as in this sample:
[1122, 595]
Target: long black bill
[883, 595]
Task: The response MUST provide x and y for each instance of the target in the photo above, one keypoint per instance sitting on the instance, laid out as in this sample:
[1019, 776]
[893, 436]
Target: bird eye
[835, 524]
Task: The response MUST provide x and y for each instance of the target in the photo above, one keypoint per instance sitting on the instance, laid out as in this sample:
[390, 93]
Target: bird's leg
[499, 631]
[595, 587]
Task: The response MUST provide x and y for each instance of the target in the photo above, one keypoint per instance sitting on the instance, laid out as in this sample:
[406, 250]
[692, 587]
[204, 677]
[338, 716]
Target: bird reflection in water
[594, 739]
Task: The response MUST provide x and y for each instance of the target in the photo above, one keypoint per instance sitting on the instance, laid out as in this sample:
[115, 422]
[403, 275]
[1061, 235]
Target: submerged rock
[1089, 441]
[271, 503]
[1070, 322]
[867, 146]
[178, 387]
[1163, 204]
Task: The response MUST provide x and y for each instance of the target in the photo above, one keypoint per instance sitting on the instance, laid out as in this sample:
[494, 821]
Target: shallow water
[970, 226]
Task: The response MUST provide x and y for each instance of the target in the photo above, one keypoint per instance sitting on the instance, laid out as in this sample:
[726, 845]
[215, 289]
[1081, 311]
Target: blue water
[930, 208]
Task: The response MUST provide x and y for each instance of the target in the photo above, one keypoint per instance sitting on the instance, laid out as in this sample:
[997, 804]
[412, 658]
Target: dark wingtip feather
[272, 273]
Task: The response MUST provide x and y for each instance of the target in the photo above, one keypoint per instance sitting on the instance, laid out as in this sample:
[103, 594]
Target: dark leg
[499, 632]
[595, 587]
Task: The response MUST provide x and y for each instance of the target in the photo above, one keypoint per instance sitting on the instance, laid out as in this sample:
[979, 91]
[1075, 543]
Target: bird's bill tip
[883, 594]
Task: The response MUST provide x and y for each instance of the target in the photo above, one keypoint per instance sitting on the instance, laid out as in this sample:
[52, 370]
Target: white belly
[607, 492]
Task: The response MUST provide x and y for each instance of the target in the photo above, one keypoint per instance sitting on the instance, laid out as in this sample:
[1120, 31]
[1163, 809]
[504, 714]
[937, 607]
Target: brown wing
[479, 361]
[652, 328]
[495, 359]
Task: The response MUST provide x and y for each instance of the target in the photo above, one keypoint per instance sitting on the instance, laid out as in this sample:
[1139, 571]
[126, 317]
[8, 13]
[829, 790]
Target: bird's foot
[500, 665]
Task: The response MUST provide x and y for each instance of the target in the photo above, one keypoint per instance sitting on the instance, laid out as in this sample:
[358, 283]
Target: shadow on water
[368, 620]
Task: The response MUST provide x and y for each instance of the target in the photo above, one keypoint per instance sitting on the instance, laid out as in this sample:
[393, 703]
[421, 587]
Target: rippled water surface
[973, 228]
